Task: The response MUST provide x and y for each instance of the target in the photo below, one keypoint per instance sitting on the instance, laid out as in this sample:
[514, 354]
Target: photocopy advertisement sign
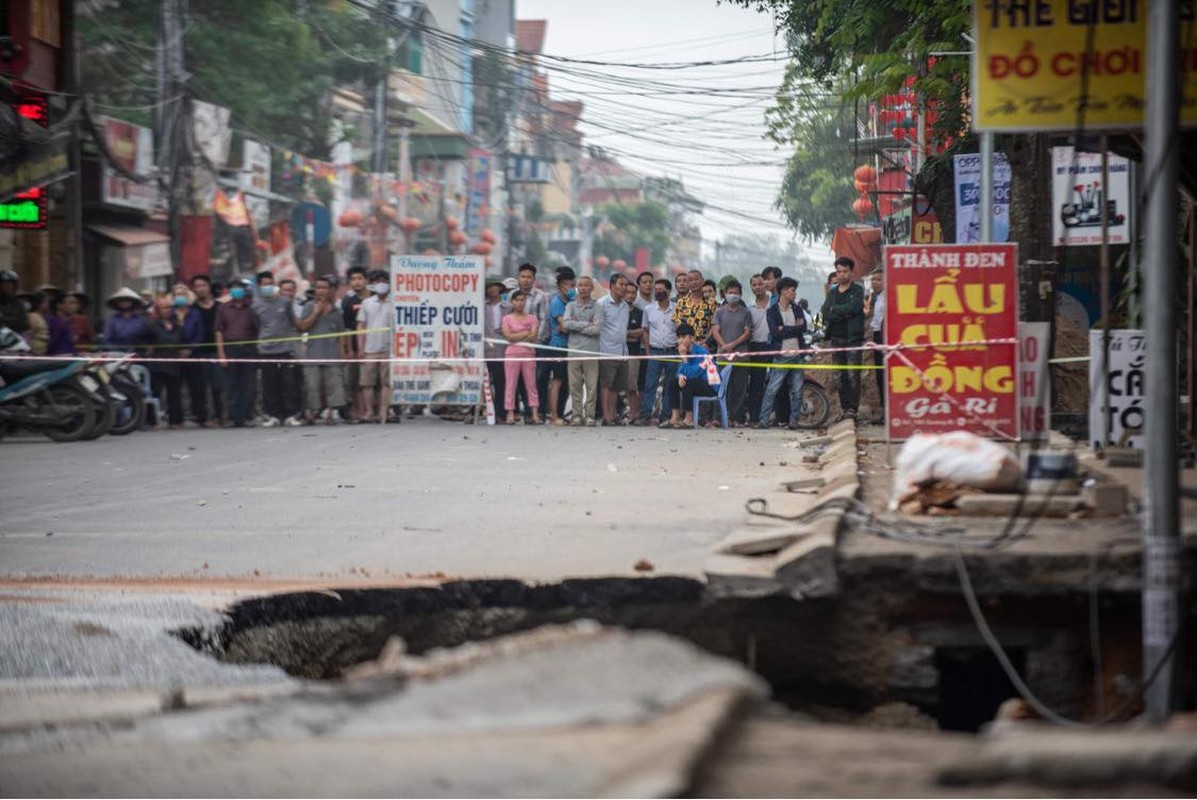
[1034, 59]
[940, 301]
[1122, 394]
[968, 198]
[438, 315]
[1078, 195]
[1034, 388]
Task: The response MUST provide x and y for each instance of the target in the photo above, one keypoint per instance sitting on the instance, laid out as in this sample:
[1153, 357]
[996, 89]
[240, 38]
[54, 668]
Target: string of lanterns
[864, 180]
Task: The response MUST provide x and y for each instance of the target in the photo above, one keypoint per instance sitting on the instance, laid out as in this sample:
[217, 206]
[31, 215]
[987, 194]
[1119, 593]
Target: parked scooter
[125, 396]
[47, 396]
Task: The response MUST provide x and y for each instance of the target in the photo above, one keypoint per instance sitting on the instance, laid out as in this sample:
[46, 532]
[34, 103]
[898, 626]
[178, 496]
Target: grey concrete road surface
[422, 498]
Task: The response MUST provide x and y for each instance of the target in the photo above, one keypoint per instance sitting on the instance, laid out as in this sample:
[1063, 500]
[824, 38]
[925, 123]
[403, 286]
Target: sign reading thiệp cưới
[438, 316]
[946, 304]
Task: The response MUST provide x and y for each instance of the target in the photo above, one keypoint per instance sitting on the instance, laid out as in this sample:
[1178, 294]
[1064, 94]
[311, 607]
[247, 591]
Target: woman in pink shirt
[519, 328]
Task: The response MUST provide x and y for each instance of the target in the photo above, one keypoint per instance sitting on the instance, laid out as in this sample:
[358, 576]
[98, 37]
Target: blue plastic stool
[153, 404]
[721, 398]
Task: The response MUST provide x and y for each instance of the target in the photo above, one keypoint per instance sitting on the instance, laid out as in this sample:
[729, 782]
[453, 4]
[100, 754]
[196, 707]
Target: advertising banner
[255, 176]
[1123, 394]
[925, 228]
[1034, 59]
[968, 198]
[478, 190]
[1077, 197]
[132, 146]
[438, 315]
[1034, 388]
[213, 136]
[950, 297]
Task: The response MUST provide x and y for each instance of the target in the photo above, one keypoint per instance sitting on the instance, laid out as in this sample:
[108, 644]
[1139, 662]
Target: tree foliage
[870, 47]
[630, 227]
[272, 62]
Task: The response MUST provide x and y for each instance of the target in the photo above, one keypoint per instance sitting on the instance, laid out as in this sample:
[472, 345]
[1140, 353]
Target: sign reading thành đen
[945, 303]
[1037, 60]
[438, 317]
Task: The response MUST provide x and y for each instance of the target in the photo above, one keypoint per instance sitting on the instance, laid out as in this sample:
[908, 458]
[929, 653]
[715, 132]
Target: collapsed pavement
[843, 625]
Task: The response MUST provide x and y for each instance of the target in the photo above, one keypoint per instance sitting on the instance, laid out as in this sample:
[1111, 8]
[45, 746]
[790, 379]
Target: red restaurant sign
[951, 297]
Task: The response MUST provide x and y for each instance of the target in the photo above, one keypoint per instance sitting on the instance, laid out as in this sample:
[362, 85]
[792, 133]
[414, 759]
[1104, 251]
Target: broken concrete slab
[624, 714]
[758, 541]
[1027, 752]
[19, 712]
[804, 484]
[741, 576]
[807, 567]
[1003, 505]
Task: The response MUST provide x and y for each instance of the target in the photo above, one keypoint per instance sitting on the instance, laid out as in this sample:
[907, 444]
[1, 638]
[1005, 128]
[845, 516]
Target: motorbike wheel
[816, 407]
[104, 411]
[131, 415]
[78, 412]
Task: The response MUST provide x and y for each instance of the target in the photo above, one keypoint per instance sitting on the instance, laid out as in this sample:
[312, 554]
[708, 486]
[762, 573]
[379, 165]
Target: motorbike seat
[15, 370]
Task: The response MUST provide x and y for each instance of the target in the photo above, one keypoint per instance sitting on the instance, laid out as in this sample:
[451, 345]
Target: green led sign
[28, 209]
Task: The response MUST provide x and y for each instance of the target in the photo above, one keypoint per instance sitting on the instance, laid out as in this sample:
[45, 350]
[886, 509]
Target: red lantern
[482, 248]
[452, 223]
[488, 236]
[411, 224]
[388, 213]
[350, 218]
[863, 206]
[619, 264]
[457, 238]
[865, 174]
[861, 187]
[601, 262]
[488, 262]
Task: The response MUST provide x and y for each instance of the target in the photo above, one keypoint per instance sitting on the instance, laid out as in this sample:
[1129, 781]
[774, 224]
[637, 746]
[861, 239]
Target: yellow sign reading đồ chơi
[1037, 59]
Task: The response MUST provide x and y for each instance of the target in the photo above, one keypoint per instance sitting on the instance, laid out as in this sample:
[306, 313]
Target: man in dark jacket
[787, 332]
[843, 315]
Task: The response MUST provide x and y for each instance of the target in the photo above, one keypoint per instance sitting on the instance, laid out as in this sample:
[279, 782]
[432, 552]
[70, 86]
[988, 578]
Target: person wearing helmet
[13, 314]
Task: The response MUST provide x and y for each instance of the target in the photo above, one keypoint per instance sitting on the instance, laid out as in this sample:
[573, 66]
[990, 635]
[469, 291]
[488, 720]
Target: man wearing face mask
[732, 330]
[236, 332]
[559, 338]
[276, 328]
[660, 337]
[376, 331]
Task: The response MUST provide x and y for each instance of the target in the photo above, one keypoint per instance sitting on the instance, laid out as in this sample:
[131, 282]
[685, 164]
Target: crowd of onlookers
[234, 348]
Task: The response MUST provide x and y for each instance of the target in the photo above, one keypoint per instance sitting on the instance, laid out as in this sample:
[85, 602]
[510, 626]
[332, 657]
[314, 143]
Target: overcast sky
[696, 137]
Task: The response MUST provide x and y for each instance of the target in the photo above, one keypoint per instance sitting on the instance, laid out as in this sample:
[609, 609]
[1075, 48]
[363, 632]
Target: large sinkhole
[837, 658]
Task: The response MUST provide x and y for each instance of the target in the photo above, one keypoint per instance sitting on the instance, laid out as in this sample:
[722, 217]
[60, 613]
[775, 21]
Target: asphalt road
[422, 498]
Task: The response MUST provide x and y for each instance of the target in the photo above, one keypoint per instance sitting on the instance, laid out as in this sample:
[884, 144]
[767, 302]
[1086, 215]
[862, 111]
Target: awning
[144, 254]
[860, 243]
[431, 137]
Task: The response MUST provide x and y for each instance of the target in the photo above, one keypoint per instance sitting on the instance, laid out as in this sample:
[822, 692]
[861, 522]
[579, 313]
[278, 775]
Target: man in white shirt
[759, 343]
[376, 332]
[660, 339]
[611, 315]
[875, 314]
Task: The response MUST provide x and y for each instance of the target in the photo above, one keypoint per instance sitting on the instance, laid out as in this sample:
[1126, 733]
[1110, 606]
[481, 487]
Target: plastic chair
[721, 398]
[142, 376]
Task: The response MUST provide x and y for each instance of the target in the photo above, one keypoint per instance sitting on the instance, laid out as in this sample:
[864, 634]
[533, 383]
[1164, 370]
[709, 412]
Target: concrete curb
[774, 557]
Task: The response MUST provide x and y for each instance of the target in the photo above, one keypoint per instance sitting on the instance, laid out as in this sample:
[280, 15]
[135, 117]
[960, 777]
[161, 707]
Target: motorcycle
[45, 396]
[125, 395]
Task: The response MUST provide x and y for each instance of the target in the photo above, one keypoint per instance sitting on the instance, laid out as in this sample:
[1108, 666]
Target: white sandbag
[959, 457]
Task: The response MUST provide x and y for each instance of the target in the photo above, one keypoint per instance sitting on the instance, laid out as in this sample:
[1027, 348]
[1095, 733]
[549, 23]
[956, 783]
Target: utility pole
[173, 119]
[380, 91]
[1161, 546]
